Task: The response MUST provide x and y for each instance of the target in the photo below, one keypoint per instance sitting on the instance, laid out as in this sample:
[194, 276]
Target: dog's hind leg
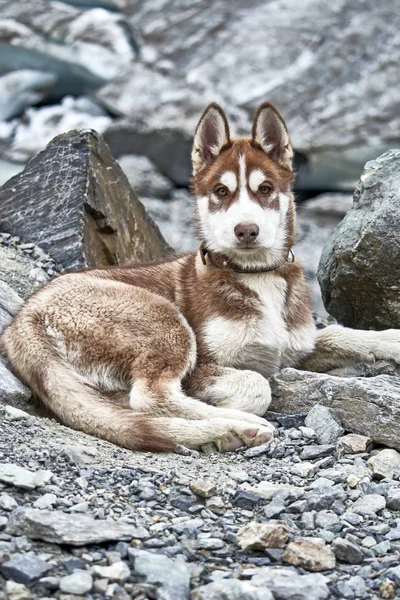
[338, 346]
[157, 374]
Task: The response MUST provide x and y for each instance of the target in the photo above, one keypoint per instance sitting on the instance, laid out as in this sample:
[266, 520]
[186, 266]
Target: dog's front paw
[387, 345]
[238, 435]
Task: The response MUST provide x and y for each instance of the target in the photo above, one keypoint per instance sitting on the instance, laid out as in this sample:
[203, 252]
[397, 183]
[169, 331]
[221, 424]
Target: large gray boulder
[359, 271]
[74, 201]
[339, 113]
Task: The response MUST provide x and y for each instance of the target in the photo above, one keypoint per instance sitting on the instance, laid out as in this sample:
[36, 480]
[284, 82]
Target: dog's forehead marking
[242, 172]
[256, 178]
[230, 180]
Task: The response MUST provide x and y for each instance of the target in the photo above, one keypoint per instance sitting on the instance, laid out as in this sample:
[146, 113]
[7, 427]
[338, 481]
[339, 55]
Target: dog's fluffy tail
[69, 395]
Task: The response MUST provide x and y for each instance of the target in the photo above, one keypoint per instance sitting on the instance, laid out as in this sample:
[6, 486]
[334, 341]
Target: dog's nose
[247, 232]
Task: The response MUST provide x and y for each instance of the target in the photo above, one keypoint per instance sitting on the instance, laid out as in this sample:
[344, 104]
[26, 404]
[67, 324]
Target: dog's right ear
[211, 135]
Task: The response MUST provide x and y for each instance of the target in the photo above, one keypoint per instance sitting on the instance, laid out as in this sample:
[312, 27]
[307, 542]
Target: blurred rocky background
[141, 72]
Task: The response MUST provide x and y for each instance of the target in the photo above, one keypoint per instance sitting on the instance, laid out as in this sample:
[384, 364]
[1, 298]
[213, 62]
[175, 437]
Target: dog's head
[242, 187]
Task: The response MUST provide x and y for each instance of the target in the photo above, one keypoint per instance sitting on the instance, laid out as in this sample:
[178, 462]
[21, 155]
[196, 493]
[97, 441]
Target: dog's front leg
[338, 346]
[226, 387]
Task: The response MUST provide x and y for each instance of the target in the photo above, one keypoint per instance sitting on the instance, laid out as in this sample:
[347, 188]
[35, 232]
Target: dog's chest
[254, 342]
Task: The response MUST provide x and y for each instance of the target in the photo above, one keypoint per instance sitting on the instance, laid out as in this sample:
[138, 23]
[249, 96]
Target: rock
[359, 268]
[171, 577]
[239, 475]
[21, 89]
[352, 481]
[311, 452]
[10, 301]
[368, 406]
[118, 571]
[7, 502]
[101, 223]
[385, 464]
[394, 574]
[79, 582]
[266, 489]
[257, 536]
[309, 553]
[347, 552]
[17, 591]
[393, 499]
[287, 585]
[144, 177]
[216, 505]
[257, 451]
[231, 589]
[325, 423]
[81, 455]
[369, 504]
[210, 544]
[382, 548]
[387, 590]
[45, 501]
[5, 320]
[57, 527]
[246, 500]
[354, 444]
[176, 499]
[304, 469]
[25, 569]
[203, 487]
[15, 414]
[326, 519]
[22, 478]
[12, 391]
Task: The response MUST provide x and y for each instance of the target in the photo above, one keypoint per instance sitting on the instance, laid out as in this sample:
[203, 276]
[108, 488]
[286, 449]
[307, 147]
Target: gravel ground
[294, 520]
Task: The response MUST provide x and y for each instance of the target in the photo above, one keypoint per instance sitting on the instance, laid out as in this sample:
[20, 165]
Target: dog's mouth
[247, 247]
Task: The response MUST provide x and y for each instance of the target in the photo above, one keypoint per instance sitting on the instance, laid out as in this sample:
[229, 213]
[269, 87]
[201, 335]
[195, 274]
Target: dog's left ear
[211, 135]
[271, 134]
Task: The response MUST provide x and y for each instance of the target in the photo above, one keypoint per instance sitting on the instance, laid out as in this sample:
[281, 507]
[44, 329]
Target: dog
[179, 351]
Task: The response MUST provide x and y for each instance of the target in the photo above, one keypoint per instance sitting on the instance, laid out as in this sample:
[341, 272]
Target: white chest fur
[256, 343]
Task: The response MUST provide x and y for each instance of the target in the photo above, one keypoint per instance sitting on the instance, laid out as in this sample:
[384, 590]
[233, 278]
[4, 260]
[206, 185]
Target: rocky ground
[298, 519]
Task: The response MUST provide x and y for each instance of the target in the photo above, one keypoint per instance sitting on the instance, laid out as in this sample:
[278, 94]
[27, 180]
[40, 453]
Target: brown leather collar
[223, 262]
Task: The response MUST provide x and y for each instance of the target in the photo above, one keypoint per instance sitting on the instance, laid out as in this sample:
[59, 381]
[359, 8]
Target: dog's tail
[69, 395]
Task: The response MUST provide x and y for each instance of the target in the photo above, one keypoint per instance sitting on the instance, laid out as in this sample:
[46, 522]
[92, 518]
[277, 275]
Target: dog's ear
[270, 133]
[211, 135]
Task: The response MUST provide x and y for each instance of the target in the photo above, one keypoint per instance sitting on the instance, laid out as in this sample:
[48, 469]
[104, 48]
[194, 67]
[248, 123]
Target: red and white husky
[179, 351]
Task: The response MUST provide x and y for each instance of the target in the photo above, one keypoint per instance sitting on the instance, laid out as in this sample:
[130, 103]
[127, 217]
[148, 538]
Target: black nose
[247, 232]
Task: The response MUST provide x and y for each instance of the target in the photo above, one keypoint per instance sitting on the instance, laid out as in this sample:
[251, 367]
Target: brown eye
[265, 188]
[221, 191]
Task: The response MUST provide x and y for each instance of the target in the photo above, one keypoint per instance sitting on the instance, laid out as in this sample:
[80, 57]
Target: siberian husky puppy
[179, 351]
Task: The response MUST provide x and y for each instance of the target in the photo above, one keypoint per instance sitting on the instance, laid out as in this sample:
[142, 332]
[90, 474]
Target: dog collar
[223, 262]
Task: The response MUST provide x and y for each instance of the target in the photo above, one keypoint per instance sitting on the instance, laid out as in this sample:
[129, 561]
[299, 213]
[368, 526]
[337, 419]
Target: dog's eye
[265, 188]
[221, 191]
